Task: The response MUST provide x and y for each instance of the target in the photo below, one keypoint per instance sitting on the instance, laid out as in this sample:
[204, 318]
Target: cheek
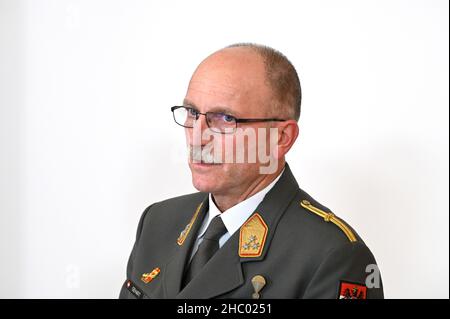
[222, 144]
[250, 142]
[188, 135]
[267, 139]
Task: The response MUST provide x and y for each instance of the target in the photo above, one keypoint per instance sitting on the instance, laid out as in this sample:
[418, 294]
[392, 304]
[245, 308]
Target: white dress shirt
[234, 217]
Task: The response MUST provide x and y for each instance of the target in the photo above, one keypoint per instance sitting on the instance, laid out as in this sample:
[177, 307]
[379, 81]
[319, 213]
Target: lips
[206, 164]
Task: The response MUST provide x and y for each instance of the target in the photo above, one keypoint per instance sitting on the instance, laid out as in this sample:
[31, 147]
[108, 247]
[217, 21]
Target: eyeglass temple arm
[258, 120]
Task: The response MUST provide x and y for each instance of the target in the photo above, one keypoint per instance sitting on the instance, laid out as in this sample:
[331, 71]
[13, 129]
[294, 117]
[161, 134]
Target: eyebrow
[215, 109]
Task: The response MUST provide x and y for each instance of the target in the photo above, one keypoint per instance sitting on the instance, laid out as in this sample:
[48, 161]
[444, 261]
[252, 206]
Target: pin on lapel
[147, 277]
[258, 283]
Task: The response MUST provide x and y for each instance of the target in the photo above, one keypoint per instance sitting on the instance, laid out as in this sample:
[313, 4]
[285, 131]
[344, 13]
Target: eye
[192, 112]
[228, 118]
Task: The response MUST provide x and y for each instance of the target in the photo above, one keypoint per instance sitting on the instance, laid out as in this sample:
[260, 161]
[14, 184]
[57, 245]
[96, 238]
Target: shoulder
[176, 208]
[182, 202]
[316, 225]
[163, 220]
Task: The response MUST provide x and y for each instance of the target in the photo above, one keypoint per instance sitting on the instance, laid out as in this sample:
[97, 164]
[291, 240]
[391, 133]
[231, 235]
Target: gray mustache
[203, 154]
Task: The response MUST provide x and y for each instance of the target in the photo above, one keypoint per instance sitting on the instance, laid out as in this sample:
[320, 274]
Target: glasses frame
[237, 120]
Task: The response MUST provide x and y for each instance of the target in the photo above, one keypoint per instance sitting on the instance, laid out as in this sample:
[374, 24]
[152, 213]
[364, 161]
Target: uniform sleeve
[348, 272]
[124, 294]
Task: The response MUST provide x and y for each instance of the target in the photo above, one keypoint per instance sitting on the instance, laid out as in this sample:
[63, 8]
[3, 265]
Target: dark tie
[206, 249]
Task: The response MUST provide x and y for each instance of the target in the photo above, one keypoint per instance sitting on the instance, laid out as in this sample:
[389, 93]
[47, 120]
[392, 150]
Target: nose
[196, 136]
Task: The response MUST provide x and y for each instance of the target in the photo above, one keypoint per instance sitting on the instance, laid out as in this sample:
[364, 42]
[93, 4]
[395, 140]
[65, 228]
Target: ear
[287, 135]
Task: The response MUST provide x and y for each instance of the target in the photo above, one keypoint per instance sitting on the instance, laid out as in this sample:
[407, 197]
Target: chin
[205, 178]
[204, 184]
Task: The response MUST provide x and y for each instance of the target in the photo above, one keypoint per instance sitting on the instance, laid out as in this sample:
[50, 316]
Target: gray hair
[281, 77]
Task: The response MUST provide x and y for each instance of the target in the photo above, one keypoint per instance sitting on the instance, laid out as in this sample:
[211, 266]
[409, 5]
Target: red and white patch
[349, 290]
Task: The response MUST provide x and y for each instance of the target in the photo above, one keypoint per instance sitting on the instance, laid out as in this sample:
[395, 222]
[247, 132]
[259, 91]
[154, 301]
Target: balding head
[282, 78]
[258, 70]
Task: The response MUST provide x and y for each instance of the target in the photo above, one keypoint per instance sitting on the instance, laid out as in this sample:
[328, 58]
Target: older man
[250, 231]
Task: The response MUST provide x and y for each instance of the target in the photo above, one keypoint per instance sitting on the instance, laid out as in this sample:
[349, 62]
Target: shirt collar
[234, 217]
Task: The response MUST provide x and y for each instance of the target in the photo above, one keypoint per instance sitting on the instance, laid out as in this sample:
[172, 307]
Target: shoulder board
[329, 217]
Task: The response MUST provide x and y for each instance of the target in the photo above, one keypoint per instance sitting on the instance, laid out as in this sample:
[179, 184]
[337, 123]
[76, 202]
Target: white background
[87, 140]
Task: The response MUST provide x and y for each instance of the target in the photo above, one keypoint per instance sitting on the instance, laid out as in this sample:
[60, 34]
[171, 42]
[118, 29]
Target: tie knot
[216, 229]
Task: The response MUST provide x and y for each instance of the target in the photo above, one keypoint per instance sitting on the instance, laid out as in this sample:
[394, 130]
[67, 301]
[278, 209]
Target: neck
[230, 199]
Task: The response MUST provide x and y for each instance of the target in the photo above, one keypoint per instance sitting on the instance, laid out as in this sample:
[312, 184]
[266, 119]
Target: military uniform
[290, 247]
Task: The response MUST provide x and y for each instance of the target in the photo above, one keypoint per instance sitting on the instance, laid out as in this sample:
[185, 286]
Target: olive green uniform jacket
[296, 246]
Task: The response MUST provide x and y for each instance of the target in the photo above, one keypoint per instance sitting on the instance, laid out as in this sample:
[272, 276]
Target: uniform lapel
[174, 269]
[273, 206]
[223, 272]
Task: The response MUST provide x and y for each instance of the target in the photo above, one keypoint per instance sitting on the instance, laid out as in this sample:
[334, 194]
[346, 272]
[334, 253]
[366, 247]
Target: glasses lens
[221, 123]
[184, 116]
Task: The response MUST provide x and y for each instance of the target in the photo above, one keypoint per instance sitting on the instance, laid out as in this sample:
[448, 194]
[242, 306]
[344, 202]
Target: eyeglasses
[217, 122]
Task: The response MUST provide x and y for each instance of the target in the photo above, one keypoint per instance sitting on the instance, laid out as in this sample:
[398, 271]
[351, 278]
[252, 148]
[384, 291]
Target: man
[250, 231]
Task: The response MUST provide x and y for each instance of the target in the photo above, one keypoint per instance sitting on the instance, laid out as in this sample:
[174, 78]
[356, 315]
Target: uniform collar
[234, 217]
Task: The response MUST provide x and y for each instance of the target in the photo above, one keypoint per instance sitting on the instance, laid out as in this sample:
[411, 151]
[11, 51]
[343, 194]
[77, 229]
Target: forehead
[233, 80]
[210, 96]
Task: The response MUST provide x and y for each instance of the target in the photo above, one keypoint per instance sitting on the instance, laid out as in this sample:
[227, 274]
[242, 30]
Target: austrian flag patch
[349, 290]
